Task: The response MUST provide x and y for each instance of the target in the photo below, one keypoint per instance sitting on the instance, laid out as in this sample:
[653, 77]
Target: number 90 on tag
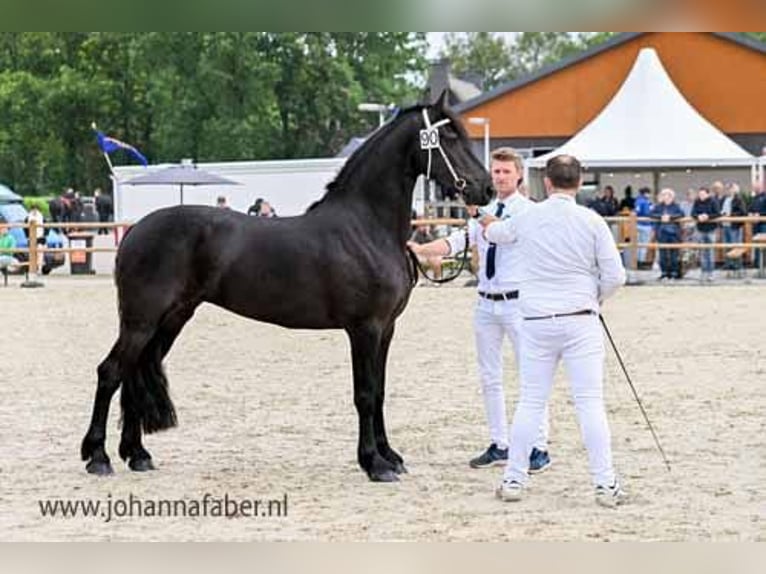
[429, 138]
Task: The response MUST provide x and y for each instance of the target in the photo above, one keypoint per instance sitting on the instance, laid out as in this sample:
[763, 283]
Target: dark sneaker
[538, 461]
[493, 456]
[610, 496]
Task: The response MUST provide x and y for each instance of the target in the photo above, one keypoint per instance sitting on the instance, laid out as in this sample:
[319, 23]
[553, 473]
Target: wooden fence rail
[626, 236]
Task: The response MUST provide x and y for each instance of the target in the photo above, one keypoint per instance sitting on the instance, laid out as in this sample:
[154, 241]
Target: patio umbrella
[180, 175]
[7, 196]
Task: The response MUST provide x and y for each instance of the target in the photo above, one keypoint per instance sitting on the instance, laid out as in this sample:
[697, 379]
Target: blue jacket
[643, 209]
[667, 232]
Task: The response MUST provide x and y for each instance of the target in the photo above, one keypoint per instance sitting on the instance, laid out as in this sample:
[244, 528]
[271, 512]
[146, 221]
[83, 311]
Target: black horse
[341, 265]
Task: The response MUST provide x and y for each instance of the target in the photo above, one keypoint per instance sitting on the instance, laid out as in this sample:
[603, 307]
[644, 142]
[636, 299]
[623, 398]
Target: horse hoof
[400, 468]
[141, 464]
[385, 476]
[99, 468]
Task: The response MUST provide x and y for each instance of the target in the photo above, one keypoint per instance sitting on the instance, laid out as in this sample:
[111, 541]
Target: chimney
[438, 79]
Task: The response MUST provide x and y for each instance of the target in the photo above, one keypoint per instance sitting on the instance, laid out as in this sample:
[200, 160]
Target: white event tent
[649, 125]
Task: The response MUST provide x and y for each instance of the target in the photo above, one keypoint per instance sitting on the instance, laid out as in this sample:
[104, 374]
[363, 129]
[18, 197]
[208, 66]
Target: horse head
[446, 155]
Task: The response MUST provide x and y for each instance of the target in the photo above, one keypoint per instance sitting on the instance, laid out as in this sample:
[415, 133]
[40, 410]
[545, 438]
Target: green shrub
[40, 203]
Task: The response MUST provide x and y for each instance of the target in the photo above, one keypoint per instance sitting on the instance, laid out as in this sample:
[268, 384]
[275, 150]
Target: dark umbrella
[180, 175]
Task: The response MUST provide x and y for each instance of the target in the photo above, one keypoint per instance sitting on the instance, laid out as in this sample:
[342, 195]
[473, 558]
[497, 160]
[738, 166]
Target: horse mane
[338, 186]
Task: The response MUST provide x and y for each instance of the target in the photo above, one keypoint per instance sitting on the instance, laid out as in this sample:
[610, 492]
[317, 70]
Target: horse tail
[145, 392]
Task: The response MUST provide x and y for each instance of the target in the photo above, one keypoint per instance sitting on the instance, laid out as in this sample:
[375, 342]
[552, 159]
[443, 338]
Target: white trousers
[577, 341]
[493, 320]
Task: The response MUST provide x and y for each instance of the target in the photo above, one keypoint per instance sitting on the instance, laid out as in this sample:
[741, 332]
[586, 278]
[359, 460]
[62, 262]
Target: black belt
[507, 296]
[572, 314]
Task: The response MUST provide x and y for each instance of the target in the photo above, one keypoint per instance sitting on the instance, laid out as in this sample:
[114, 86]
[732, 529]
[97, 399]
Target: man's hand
[472, 210]
[485, 220]
[665, 218]
[417, 248]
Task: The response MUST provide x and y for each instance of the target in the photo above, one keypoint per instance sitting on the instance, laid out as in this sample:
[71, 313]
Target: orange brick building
[723, 75]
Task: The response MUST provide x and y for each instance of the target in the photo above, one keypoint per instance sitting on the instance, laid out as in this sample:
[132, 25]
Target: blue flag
[109, 144]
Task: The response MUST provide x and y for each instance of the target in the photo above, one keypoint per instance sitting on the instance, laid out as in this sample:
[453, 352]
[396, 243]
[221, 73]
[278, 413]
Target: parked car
[12, 210]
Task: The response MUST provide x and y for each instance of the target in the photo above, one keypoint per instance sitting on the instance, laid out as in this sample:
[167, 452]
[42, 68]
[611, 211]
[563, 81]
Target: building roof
[613, 42]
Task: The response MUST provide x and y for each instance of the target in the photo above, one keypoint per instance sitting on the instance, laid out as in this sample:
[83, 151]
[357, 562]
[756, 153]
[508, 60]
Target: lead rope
[418, 267]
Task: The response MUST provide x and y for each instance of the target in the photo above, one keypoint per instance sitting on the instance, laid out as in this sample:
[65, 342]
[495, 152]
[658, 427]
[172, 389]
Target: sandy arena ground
[266, 412]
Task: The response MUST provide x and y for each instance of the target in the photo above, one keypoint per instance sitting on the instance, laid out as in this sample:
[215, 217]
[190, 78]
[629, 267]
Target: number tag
[429, 138]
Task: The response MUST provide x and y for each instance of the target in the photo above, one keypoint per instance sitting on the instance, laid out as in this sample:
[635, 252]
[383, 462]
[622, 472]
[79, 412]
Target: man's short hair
[564, 171]
[509, 154]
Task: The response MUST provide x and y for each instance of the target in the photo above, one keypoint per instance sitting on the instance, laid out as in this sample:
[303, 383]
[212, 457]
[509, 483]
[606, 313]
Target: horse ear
[441, 102]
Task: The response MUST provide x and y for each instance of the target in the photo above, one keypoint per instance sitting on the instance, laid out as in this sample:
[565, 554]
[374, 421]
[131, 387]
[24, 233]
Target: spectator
[221, 202]
[688, 202]
[51, 260]
[255, 209]
[8, 261]
[643, 209]
[75, 207]
[266, 210]
[104, 208]
[687, 227]
[717, 191]
[628, 202]
[758, 208]
[605, 205]
[667, 214]
[89, 213]
[705, 210]
[35, 216]
[734, 206]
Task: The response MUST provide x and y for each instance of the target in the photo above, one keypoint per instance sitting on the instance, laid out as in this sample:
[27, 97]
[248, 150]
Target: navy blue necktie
[493, 246]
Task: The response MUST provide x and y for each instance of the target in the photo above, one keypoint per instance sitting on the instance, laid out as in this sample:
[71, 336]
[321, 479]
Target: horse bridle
[430, 140]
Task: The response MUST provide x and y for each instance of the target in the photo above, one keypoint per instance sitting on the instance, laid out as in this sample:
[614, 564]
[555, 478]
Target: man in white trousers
[497, 313]
[570, 265]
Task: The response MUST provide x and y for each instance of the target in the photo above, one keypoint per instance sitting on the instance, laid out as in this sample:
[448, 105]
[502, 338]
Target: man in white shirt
[497, 313]
[570, 264]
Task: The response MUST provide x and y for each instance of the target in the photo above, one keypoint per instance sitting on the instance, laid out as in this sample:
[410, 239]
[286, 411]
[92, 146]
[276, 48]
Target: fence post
[633, 239]
[32, 280]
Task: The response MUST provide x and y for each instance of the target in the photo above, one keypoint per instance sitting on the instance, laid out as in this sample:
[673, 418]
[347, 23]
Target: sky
[436, 41]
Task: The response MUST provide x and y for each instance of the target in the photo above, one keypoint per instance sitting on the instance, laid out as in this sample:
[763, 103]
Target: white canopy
[649, 124]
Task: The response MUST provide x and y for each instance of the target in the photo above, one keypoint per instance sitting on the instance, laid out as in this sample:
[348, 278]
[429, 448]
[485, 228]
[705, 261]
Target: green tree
[484, 55]
[205, 96]
[534, 50]
[760, 36]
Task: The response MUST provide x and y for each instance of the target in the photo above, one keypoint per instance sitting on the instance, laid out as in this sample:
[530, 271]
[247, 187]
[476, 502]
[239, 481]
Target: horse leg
[131, 448]
[120, 366]
[93, 445]
[365, 357]
[378, 421]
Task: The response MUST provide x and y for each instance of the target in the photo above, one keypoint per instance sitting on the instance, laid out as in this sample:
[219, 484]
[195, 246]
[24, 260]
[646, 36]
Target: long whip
[635, 394]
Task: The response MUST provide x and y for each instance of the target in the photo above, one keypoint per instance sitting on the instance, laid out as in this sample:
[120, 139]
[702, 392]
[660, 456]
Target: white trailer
[289, 185]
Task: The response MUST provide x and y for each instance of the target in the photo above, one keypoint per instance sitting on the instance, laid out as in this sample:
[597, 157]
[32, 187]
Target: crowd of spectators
[695, 218]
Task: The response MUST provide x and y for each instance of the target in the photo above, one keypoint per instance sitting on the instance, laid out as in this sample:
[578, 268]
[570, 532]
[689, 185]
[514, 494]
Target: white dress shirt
[506, 257]
[567, 258]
